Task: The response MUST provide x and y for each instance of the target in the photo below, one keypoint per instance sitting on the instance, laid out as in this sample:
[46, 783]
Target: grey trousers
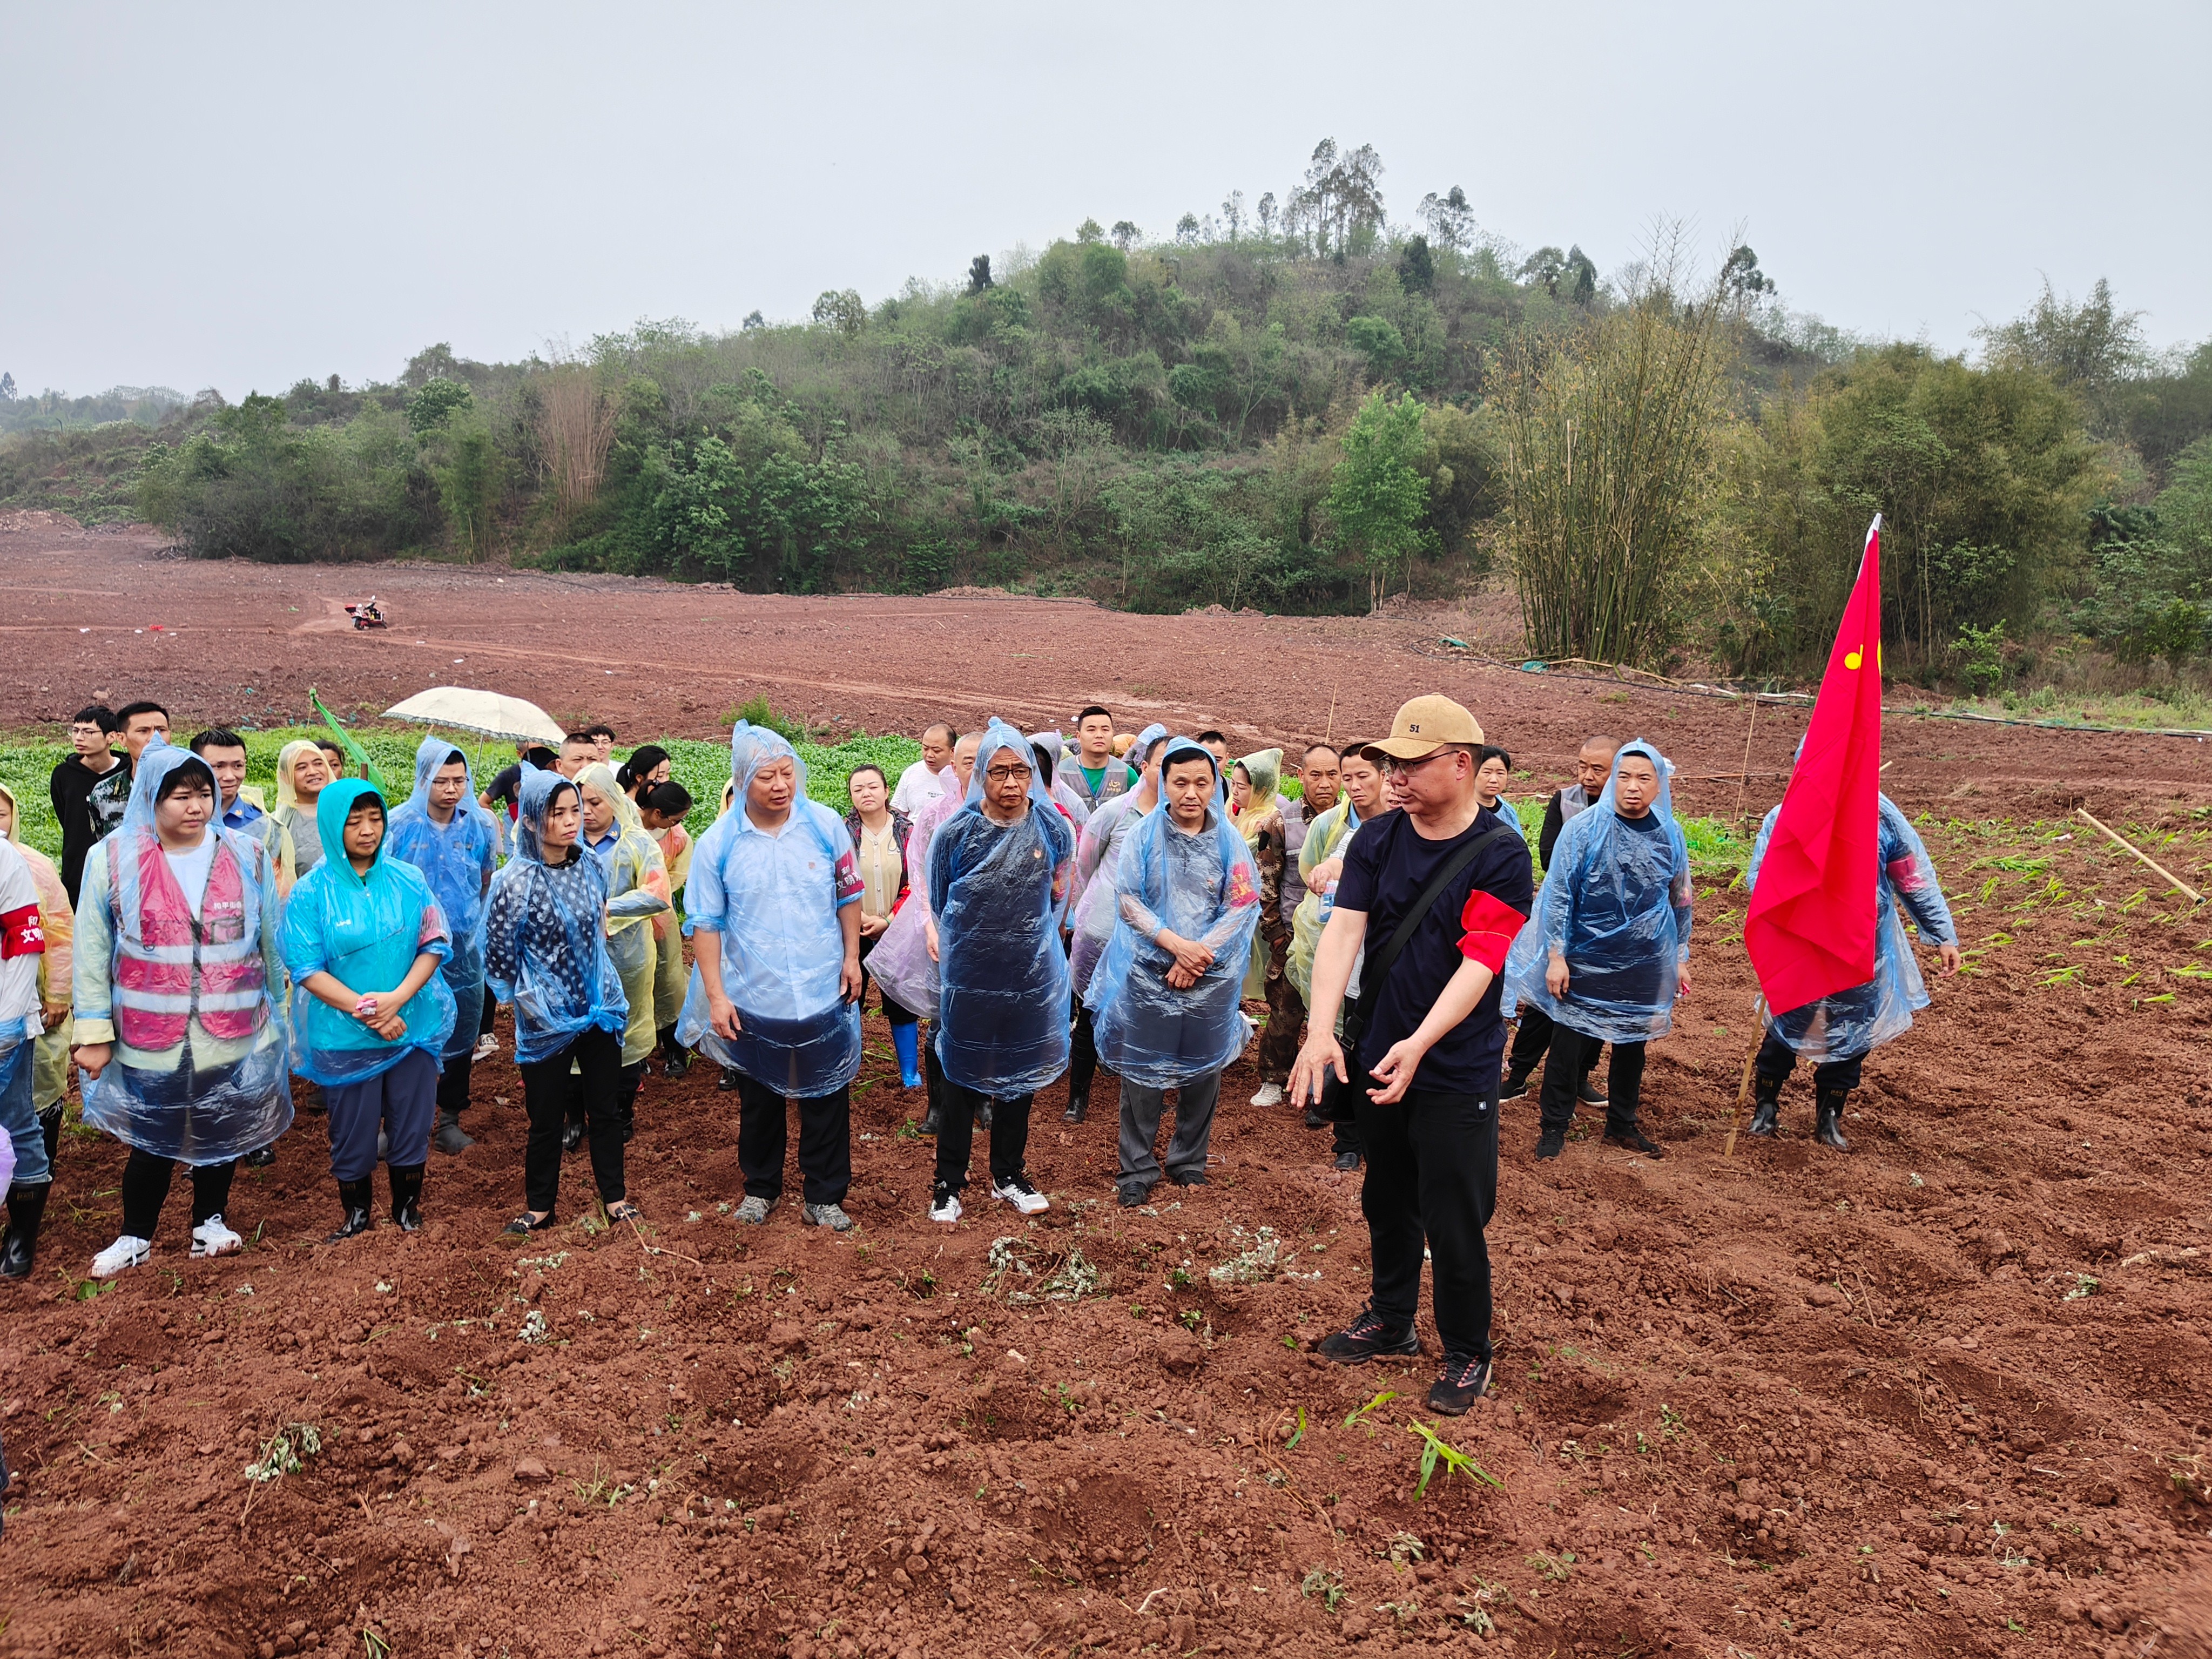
[1141, 1110]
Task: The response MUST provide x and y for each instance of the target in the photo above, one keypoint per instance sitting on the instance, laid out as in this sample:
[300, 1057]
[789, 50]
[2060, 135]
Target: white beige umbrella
[487, 714]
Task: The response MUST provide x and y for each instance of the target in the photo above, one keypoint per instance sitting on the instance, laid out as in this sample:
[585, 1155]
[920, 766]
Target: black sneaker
[1366, 1338]
[1466, 1380]
[572, 1135]
[728, 1081]
[1634, 1140]
[1551, 1143]
[1188, 1177]
[1131, 1197]
[1347, 1160]
[260, 1160]
[677, 1064]
[1313, 1119]
[1515, 1085]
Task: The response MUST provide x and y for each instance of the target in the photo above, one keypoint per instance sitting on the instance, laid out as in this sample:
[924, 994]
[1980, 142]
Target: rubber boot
[906, 1039]
[450, 1136]
[356, 1196]
[50, 1130]
[1766, 1112]
[1078, 1106]
[27, 1208]
[407, 1199]
[1828, 1119]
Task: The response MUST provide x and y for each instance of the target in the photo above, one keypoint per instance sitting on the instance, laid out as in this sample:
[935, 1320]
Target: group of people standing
[1027, 906]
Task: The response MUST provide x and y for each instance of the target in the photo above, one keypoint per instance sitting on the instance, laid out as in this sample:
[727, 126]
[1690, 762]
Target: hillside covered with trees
[1293, 405]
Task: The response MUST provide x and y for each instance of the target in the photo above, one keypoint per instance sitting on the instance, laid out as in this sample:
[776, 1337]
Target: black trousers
[825, 1142]
[1776, 1060]
[956, 1135]
[490, 1008]
[1432, 1181]
[1341, 1106]
[1532, 1041]
[1572, 1057]
[453, 1081]
[1082, 1056]
[546, 1089]
[146, 1188]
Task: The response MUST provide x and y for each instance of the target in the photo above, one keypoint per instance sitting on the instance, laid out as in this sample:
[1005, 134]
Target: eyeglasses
[1395, 767]
[1008, 774]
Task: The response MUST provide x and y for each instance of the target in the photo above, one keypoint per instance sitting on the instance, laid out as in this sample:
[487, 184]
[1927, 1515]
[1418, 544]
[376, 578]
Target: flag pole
[1743, 1088]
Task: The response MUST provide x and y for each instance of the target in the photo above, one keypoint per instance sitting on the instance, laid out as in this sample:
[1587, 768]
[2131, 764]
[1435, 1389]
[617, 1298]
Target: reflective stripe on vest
[175, 969]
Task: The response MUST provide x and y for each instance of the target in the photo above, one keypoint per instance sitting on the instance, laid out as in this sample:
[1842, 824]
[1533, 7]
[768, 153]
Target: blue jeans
[19, 1118]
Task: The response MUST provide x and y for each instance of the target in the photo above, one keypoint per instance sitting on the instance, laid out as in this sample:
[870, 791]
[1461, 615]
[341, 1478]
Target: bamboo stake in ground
[2120, 840]
[1744, 776]
[1743, 1089]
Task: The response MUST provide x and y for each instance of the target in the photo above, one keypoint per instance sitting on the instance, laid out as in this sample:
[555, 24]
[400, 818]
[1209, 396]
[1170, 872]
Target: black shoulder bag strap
[1378, 968]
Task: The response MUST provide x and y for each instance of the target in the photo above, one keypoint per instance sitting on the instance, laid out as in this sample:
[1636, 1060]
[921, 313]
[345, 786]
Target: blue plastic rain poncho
[1091, 899]
[456, 858]
[637, 891]
[1852, 1023]
[366, 932]
[1203, 886]
[1615, 903]
[545, 945]
[997, 891]
[900, 961]
[774, 895]
[187, 996]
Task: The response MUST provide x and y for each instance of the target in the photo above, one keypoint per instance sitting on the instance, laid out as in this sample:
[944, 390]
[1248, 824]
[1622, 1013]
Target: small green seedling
[1435, 1451]
[1297, 1433]
[1358, 1412]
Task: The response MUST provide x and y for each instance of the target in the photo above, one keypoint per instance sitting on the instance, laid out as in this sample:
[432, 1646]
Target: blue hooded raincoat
[367, 931]
[455, 859]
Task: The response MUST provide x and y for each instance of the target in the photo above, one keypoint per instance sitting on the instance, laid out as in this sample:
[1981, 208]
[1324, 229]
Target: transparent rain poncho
[207, 1086]
[1854, 1022]
[455, 859]
[1262, 813]
[1091, 899]
[1327, 836]
[545, 946]
[997, 892]
[1045, 749]
[1201, 886]
[900, 961]
[366, 932]
[637, 891]
[774, 898]
[1616, 902]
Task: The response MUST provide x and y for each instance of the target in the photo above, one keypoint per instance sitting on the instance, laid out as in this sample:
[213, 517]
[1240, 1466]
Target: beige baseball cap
[1424, 725]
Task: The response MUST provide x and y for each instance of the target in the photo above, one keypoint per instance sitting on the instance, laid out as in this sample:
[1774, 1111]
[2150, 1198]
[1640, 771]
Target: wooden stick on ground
[2120, 841]
[1329, 732]
[1743, 1089]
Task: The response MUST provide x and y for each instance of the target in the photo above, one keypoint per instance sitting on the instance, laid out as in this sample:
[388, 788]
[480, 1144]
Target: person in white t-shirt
[924, 780]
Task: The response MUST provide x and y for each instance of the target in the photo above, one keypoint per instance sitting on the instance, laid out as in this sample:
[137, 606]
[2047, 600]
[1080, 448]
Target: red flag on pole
[1810, 929]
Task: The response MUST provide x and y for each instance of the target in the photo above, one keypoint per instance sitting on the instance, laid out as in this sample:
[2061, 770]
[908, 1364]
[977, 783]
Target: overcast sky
[237, 196]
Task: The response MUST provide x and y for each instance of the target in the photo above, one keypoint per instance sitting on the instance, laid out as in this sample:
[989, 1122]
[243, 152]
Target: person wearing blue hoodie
[442, 832]
[546, 956]
[364, 940]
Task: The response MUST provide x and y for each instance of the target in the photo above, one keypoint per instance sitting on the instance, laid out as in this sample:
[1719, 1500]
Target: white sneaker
[1271, 1094]
[487, 1046]
[1021, 1195]
[211, 1237]
[125, 1252]
[946, 1208]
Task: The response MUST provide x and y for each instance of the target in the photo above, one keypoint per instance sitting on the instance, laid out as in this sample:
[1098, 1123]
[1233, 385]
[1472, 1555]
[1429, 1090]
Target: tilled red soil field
[1951, 1393]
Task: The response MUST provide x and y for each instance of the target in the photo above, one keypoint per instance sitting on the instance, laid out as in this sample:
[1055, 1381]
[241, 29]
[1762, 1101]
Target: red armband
[1905, 874]
[1490, 925]
[21, 934]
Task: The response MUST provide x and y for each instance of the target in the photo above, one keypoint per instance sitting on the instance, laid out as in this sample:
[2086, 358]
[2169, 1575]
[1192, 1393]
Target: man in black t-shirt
[1428, 1059]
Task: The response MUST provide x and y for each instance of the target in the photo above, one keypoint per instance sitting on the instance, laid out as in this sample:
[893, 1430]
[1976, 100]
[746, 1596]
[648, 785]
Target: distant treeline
[1291, 406]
